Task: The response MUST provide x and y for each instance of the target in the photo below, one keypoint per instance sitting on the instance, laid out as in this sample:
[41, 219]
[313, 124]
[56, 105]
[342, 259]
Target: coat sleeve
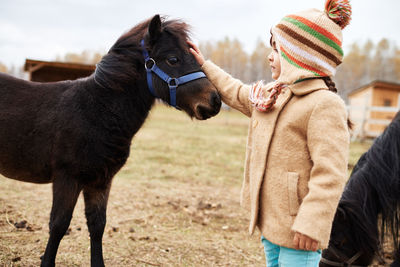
[328, 143]
[232, 91]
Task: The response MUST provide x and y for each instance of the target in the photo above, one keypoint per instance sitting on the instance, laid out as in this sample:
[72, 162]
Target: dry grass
[175, 203]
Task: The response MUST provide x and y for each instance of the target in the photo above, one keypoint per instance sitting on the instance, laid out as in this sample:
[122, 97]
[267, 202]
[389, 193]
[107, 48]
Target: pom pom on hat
[339, 11]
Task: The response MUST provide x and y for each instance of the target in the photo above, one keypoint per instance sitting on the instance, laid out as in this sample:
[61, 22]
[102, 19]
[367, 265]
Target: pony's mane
[120, 66]
[176, 27]
[374, 187]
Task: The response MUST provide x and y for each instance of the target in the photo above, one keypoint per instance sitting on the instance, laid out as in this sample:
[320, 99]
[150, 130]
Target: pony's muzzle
[212, 109]
[215, 102]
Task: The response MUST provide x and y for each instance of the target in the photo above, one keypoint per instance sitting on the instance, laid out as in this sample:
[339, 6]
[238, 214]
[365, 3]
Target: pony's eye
[172, 60]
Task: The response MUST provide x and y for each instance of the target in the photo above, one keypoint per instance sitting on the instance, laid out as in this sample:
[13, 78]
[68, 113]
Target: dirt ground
[171, 224]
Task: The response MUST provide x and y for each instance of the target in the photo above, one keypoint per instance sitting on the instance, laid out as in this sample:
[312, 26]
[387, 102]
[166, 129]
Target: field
[175, 202]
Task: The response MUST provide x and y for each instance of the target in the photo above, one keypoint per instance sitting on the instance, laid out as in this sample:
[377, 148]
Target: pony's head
[165, 43]
[343, 248]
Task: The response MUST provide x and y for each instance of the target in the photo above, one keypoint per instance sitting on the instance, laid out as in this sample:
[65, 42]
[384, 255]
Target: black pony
[370, 202]
[77, 134]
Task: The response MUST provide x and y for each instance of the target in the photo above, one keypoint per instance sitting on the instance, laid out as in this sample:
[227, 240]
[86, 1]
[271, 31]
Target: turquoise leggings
[289, 257]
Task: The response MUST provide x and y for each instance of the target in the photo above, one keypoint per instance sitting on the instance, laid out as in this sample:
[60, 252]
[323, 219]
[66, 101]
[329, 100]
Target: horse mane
[123, 64]
[374, 187]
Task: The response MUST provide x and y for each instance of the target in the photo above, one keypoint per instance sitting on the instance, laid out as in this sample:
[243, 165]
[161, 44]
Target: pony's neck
[362, 209]
[129, 106]
[361, 198]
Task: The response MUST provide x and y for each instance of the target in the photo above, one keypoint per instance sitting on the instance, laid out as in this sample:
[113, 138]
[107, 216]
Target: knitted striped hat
[310, 42]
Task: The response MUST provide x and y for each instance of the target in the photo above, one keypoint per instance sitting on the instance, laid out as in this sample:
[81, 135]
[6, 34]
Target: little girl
[298, 139]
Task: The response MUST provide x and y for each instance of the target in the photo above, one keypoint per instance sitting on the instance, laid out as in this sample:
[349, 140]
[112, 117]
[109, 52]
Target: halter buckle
[173, 82]
[153, 64]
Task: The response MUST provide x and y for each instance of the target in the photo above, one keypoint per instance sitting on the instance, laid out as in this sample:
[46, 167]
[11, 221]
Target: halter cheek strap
[151, 66]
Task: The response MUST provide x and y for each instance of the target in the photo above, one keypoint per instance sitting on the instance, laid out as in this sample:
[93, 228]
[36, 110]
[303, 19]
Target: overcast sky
[43, 29]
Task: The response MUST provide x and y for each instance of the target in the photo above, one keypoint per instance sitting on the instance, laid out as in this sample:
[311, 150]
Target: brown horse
[77, 134]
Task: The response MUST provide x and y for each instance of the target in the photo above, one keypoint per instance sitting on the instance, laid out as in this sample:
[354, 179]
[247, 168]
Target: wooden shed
[52, 71]
[373, 106]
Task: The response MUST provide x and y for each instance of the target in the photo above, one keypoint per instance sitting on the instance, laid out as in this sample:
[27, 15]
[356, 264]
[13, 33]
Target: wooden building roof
[377, 84]
[52, 71]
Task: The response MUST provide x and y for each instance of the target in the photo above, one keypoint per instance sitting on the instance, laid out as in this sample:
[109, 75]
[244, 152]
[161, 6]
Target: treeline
[363, 62]
[86, 57]
[367, 62]
[3, 68]
[231, 56]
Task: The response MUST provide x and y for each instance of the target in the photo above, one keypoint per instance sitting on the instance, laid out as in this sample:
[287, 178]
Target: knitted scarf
[261, 101]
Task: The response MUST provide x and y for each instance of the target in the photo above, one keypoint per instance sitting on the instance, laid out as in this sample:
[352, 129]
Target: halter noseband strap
[345, 263]
[173, 83]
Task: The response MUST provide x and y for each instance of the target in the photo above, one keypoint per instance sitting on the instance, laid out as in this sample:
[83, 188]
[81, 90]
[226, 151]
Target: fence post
[398, 101]
[364, 118]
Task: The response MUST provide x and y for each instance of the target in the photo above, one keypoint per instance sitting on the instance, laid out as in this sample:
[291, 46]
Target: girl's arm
[232, 91]
[328, 143]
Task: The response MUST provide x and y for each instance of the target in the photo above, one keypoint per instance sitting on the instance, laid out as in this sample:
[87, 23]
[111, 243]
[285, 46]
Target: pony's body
[370, 202]
[19, 124]
[77, 134]
[48, 126]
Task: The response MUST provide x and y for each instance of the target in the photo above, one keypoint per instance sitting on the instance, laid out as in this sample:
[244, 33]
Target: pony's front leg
[65, 195]
[95, 209]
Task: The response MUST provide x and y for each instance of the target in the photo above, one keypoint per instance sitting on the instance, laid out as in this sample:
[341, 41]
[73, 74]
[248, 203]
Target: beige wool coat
[296, 158]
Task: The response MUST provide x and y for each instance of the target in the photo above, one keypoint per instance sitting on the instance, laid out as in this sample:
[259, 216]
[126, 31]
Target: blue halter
[173, 83]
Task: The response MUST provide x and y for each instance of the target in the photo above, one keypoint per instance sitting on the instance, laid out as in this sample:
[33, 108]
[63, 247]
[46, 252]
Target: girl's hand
[304, 242]
[196, 53]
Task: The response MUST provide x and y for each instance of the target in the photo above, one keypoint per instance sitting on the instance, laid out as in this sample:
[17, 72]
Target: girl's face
[274, 60]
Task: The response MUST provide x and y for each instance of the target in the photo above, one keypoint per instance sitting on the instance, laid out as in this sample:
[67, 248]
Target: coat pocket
[292, 181]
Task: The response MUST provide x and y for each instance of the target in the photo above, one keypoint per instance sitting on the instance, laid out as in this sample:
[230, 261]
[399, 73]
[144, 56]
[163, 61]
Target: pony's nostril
[216, 101]
[203, 112]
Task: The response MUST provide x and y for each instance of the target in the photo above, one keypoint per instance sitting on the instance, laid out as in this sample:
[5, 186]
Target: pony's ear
[154, 28]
